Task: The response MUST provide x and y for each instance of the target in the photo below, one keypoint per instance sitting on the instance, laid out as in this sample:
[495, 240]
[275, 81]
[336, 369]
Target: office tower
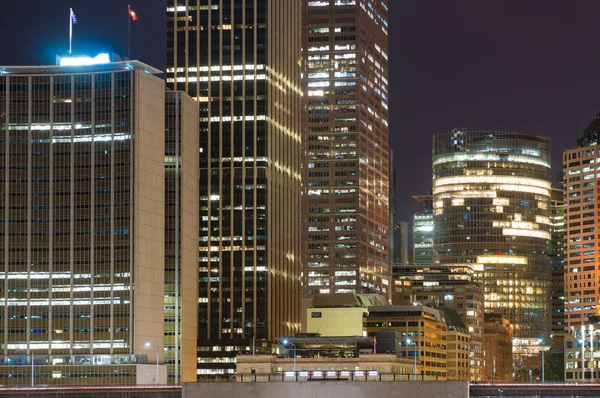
[240, 60]
[447, 286]
[181, 237]
[557, 261]
[346, 168]
[423, 252]
[400, 249]
[491, 195]
[82, 237]
[580, 183]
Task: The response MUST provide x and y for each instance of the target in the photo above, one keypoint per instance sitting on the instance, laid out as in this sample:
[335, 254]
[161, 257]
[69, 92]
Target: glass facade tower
[423, 251]
[491, 198]
[346, 170]
[240, 60]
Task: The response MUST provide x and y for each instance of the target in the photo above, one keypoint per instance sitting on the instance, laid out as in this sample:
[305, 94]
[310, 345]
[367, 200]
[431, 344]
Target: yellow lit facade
[491, 192]
[423, 330]
[449, 287]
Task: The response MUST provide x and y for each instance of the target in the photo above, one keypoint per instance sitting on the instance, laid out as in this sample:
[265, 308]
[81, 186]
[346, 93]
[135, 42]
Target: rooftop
[59, 70]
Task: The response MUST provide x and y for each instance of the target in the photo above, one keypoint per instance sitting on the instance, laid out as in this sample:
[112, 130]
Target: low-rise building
[458, 346]
[317, 357]
[582, 352]
[497, 338]
[340, 314]
[449, 286]
[424, 334]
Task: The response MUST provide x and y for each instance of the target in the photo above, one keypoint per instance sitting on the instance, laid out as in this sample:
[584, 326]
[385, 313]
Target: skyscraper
[491, 197]
[580, 182]
[240, 60]
[423, 252]
[346, 169]
[557, 260]
[82, 215]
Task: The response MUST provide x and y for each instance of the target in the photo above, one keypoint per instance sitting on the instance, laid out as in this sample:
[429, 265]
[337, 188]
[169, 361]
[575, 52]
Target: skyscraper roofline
[57, 69]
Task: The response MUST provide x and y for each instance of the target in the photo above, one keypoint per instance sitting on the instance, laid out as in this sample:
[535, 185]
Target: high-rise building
[580, 182]
[423, 252]
[400, 247]
[181, 237]
[449, 287]
[346, 221]
[557, 261]
[491, 195]
[240, 60]
[82, 237]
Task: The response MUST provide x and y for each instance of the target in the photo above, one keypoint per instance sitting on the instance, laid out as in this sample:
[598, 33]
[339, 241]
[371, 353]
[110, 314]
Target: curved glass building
[491, 198]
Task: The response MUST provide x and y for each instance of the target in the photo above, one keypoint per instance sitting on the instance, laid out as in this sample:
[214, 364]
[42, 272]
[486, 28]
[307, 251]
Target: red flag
[133, 15]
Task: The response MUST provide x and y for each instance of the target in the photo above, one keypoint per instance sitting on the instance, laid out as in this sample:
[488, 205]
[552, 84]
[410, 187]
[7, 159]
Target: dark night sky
[531, 65]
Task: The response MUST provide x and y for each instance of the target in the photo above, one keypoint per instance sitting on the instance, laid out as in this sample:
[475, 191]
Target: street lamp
[148, 346]
[286, 342]
[409, 342]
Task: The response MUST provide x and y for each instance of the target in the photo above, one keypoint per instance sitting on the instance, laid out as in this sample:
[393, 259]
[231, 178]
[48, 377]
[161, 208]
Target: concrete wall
[149, 216]
[189, 237]
[331, 389]
[146, 374]
[336, 321]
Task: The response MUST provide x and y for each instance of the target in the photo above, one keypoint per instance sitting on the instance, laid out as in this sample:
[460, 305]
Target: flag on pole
[133, 15]
[73, 17]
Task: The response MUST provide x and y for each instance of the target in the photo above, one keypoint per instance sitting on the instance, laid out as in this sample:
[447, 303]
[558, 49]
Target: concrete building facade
[82, 237]
[181, 237]
[450, 287]
[424, 332]
[581, 352]
[342, 314]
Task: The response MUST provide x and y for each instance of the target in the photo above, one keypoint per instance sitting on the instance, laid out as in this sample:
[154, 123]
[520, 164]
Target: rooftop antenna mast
[72, 20]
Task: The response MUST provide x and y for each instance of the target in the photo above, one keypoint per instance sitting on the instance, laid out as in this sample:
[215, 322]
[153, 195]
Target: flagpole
[70, 29]
[128, 31]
